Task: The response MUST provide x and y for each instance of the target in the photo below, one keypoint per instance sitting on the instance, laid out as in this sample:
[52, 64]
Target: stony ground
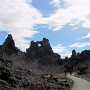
[25, 77]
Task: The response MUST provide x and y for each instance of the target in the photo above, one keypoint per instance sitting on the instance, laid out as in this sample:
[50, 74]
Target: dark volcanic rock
[39, 49]
[17, 78]
[8, 46]
[17, 74]
[4, 73]
[0, 46]
[49, 59]
[78, 62]
[42, 51]
[32, 50]
[82, 69]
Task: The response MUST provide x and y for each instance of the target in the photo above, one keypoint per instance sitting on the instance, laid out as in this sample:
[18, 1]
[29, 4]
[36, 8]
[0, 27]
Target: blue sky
[44, 6]
[66, 23]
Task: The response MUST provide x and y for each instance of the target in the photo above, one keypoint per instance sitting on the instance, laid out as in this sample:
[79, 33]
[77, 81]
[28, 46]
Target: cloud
[73, 12]
[56, 3]
[86, 36]
[63, 51]
[18, 18]
[80, 45]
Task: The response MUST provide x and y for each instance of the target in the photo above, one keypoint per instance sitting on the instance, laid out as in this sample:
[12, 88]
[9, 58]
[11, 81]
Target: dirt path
[79, 84]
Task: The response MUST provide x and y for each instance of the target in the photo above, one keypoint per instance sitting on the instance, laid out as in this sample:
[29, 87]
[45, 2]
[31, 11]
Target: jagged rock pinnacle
[8, 46]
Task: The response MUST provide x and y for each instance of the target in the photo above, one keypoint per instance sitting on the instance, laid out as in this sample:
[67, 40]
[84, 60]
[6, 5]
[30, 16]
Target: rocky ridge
[20, 71]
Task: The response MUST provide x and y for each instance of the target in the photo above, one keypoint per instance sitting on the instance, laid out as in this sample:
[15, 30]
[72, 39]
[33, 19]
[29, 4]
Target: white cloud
[80, 45]
[74, 12]
[63, 51]
[18, 18]
[86, 36]
[56, 3]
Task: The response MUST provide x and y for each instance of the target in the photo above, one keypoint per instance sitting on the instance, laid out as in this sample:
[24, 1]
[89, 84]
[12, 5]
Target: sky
[66, 23]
